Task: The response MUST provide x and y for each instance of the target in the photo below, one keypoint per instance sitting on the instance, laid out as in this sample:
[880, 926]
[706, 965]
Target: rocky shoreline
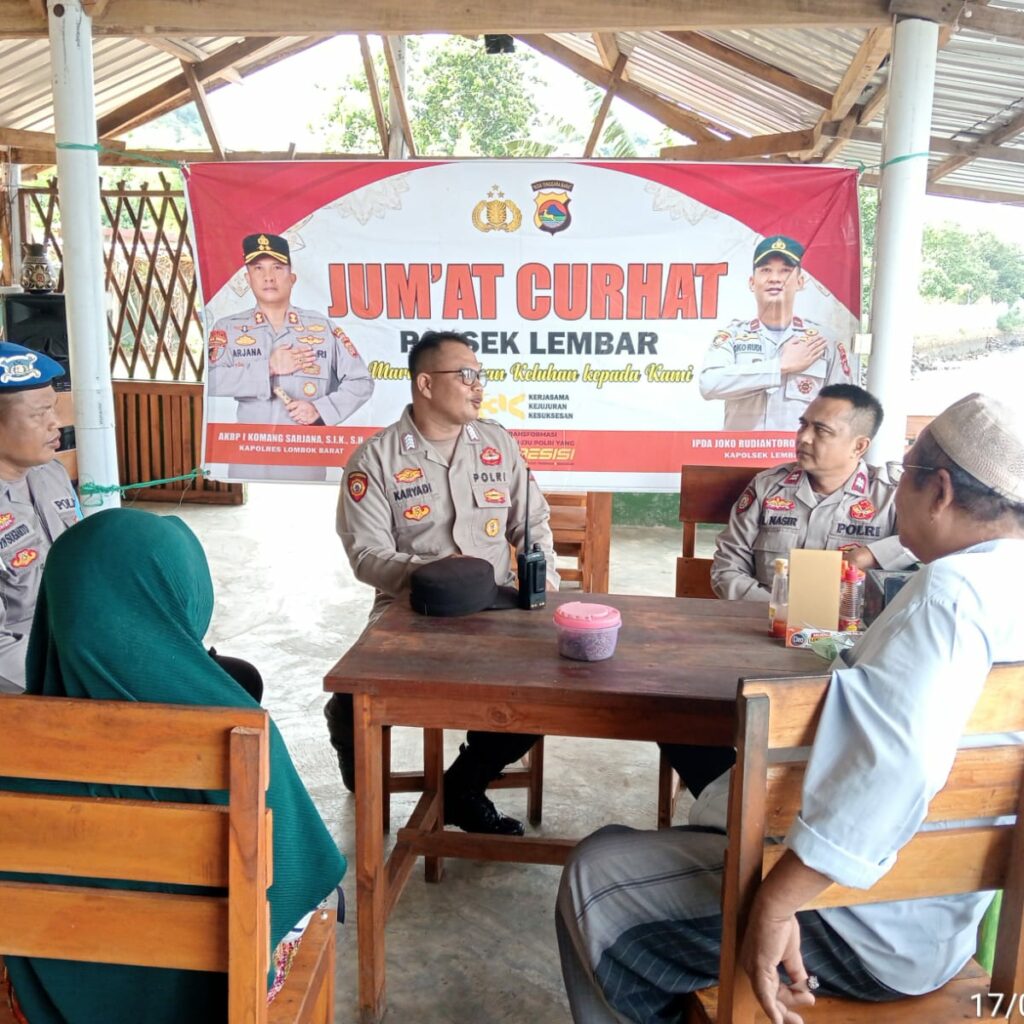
[940, 355]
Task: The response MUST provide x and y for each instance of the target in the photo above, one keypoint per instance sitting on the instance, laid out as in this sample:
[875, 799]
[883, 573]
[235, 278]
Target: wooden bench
[220, 848]
[985, 783]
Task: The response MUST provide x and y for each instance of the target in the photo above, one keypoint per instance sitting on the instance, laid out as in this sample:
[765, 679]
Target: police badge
[552, 207]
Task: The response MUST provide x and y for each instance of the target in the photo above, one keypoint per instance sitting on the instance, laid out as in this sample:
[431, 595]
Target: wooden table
[673, 678]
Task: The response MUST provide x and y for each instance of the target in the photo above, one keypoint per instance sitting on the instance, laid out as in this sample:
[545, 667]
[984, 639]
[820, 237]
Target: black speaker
[39, 322]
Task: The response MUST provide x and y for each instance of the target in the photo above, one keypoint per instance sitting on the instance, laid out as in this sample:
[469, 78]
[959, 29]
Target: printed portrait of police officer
[767, 370]
[283, 365]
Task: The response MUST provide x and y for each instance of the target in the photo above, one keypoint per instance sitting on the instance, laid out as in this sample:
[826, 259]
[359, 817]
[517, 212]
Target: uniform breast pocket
[803, 387]
[492, 503]
[769, 544]
[414, 515]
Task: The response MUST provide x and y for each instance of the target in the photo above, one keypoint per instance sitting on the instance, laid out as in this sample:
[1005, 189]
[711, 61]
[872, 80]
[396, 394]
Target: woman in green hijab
[125, 601]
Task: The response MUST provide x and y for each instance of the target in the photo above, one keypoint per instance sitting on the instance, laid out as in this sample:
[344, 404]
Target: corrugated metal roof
[124, 68]
[979, 83]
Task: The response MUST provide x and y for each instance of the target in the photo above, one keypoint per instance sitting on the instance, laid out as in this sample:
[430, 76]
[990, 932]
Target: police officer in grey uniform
[37, 501]
[438, 483]
[284, 365]
[767, 370]
[828, 499]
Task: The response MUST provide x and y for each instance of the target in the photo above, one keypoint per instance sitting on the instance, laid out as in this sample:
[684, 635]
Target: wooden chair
[765, 795]
[706, 495]
[582, 527]
[212, 846]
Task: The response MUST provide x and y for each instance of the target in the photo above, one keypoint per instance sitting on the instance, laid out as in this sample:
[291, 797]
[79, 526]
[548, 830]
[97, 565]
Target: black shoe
[473, 812]
[339, 725]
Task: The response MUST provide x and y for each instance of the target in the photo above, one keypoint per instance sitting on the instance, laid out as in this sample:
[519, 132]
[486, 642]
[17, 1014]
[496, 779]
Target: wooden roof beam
[661, 110]
[602, 113]
[187, 18]
[758, 69]
[1004, 133]
[968, 16]
[938, 145]
[22, 137]
[783, 143]
[875, 48]
[184, 50]
[175, 91]
[378, 104]
[195, 87]
[40, 156]
[608, 50]
[983, 195]
[395, 85]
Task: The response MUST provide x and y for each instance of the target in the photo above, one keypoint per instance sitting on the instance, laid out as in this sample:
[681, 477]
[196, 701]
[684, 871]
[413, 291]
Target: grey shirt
[402, 505]
[743, 367]
[780, 511]
[34, 512]
[338, 382]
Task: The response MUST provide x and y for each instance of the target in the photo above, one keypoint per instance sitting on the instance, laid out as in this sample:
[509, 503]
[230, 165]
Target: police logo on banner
[551, 213]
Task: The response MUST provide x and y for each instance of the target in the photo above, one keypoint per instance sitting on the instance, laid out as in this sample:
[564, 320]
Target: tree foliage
[461, 102]
[956, 265]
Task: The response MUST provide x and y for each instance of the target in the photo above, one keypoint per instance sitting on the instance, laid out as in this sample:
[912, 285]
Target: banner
[616, 306]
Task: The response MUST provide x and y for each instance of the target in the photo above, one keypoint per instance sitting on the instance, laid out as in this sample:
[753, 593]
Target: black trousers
[697, 766]
[492, 751]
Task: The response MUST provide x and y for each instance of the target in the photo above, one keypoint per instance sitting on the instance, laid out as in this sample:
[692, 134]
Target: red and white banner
[613, 304]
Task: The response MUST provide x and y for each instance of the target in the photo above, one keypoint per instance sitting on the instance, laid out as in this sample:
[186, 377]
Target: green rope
[88, 490]
[862, 167]
[96, 147]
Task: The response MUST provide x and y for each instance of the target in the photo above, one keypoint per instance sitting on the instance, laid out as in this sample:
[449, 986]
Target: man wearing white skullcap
[638, 915]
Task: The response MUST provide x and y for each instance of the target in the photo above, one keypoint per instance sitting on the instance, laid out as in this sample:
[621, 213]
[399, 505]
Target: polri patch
[357, 486]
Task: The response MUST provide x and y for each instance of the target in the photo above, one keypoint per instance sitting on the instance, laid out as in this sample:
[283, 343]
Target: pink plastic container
[587, 632]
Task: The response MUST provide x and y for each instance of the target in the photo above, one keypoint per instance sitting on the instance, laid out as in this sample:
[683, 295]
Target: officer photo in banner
[283, 365]
[769, 369]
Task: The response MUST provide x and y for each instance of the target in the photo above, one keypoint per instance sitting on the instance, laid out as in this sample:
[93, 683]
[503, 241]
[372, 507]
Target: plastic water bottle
[778, 604]
[851, 598]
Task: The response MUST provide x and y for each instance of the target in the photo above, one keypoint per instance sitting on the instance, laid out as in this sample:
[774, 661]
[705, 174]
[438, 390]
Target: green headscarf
[125, 602]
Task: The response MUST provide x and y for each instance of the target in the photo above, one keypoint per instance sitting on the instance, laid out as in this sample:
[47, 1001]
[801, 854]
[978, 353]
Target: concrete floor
[481, 946]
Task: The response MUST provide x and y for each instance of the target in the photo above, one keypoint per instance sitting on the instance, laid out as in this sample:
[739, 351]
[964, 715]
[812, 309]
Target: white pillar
[74, 116]
[396, 140]
[900, 227]
[14, 219]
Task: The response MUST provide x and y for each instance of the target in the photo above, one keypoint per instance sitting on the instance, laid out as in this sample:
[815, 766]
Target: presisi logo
[536, 454]
[498, 403]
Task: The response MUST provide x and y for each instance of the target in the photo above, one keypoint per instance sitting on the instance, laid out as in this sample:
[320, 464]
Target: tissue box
[880, 587]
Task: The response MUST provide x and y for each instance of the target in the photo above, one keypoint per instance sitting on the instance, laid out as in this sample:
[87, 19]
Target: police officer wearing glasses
[440, 482]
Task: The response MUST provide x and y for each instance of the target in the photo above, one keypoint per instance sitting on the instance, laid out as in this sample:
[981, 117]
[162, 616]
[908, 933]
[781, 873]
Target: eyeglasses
[896, 470]
[469, 374]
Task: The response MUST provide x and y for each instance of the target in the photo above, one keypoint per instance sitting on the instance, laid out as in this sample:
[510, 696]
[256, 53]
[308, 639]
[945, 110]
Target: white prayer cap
[984, 437]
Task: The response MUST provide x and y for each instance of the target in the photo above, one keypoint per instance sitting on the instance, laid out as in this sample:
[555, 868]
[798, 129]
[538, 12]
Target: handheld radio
[531, 566]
